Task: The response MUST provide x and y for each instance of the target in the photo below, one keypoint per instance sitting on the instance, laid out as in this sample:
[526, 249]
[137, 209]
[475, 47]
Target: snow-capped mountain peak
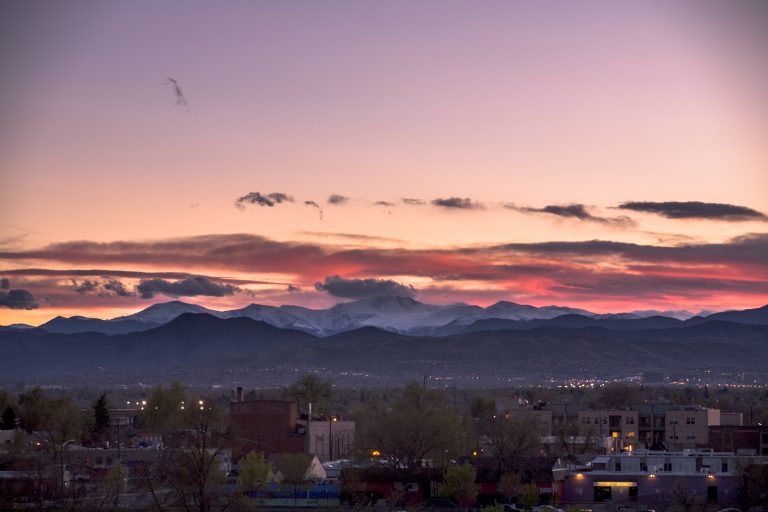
[164, 312]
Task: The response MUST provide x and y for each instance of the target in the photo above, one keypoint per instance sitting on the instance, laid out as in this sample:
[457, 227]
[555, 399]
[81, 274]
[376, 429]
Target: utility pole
[119, 422]
[331, 419]
[63, 445]
[309, 423]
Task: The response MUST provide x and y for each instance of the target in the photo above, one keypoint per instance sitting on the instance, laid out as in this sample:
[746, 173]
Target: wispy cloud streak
[575, 211]
[583, 270]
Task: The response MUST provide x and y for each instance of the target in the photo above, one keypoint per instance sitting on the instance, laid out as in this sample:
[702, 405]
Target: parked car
[513, 507]
[546, 508]
[625, 508]
[438, 505]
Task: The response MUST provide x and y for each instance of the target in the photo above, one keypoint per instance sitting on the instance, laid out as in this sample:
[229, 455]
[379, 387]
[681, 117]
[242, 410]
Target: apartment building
[689, 427]
[621, 425]
[657, 426]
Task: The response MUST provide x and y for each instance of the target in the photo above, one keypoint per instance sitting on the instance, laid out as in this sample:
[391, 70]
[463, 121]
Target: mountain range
[403, 315]
[203, 344]
[384, 336]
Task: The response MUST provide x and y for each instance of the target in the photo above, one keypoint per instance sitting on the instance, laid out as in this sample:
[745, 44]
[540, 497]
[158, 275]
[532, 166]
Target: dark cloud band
[362, 288]
[696, 210]
[457, 203]
[739, 265]
[194, 286]
[337, 199]
[17, 299]
[258, 199]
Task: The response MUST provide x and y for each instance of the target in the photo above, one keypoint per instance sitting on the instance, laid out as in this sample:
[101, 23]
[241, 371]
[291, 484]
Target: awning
[614, 484]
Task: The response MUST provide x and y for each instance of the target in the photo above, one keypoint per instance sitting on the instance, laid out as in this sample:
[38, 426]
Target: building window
[617, 466]
[690, 436]
[690, 420]
[667, 466]
[724, 467]
[643, 466]
[629, 420]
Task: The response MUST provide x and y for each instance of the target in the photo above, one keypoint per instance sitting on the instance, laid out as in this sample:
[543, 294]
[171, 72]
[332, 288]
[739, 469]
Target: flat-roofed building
[621, 425]
[747, 440]
[689, 427]
[735, 419]
[269, 426]
[654, 478]
[331, 439]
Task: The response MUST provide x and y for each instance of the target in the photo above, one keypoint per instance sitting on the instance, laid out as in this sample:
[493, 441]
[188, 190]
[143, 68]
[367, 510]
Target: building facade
[689, 427]
[331, 439]
[620, 425]
[269, 426]
[652, 478]
[750, 440]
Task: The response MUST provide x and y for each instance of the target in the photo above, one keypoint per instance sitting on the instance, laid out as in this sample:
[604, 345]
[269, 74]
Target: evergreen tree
[8, 419]
[101, 421]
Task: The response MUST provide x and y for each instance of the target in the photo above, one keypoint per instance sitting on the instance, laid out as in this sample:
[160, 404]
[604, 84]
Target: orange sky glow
[607, 155]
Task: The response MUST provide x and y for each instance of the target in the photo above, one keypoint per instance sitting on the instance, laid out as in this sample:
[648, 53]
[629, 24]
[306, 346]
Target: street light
[331, 421]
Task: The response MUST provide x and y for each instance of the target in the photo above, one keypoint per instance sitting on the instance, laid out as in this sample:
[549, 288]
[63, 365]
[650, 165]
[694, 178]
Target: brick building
[751, 440]
[269, 426]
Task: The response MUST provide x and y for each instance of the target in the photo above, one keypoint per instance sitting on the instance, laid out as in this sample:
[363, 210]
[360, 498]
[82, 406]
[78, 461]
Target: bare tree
[294, 468]
[189, 473]
[421, 423]
[310, 389]
[573, 439]
[506, 439]
[682, 498]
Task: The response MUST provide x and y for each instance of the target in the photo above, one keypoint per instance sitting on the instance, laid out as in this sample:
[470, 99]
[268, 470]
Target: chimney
[239, 395]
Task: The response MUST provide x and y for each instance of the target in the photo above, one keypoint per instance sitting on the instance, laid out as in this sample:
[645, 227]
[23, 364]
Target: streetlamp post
[331, 421]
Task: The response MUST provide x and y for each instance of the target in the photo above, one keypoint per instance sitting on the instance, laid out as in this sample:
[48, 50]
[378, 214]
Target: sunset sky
[608, 155]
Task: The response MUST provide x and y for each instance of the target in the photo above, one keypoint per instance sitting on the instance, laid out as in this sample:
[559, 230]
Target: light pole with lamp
[331, 421]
